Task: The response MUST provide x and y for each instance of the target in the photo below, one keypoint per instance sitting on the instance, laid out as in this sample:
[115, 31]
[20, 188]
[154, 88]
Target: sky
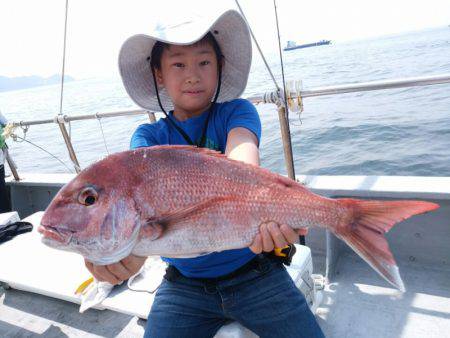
[31, 32]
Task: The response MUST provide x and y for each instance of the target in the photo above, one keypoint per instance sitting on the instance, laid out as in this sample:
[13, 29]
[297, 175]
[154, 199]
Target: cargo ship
[291, 45]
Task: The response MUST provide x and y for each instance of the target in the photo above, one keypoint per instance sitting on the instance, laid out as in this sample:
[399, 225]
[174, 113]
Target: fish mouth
[57, 234]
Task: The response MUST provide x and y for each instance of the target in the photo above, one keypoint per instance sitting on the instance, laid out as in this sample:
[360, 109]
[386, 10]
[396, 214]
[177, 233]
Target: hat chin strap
[157, 91]
[219, 81]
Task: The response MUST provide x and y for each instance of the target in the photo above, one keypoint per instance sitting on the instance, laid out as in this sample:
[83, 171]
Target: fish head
[94, 215]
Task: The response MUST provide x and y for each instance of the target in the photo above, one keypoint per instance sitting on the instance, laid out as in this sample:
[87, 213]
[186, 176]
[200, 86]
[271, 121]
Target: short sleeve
[144, 136]
[244, 114]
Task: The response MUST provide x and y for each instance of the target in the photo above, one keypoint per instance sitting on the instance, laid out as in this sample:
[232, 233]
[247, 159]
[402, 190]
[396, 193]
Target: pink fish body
[181, 201]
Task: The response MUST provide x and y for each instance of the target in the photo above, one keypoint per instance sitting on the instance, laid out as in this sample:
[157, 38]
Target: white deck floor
[359, 303]
[356, 304]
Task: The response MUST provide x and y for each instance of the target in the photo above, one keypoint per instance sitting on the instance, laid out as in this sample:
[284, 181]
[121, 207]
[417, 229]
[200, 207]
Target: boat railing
[294, 97]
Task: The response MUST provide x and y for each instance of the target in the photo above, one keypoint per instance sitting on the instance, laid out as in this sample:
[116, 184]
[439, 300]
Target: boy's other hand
[117, 272]
[272, 235]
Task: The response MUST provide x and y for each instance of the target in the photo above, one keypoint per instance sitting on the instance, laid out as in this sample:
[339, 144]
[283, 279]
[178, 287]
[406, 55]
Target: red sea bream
[181, 201]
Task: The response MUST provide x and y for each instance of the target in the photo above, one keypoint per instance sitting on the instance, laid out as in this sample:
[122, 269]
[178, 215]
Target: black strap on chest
[202, 141]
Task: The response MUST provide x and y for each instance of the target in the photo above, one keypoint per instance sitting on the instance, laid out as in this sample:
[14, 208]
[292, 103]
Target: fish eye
[88, 196]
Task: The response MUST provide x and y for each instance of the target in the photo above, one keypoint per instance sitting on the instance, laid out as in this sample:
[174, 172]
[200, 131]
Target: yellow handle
[84, 285]
[279, 251]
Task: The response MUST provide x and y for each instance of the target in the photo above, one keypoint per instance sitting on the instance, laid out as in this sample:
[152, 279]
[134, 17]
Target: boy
[187, 70]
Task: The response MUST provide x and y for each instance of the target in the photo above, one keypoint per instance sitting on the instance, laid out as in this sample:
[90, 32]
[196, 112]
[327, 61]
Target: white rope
[63, 61]
[103, 134]
[8, 132]
[39, 147]
[257, 45]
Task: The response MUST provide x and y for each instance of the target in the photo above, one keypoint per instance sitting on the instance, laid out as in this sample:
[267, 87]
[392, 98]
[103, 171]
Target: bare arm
[242, 145]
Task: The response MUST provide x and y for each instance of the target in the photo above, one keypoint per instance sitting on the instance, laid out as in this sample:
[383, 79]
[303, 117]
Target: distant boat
[292, 45]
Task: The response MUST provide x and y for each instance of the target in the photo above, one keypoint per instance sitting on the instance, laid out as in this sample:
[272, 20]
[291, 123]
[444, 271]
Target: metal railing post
[287, 145]
[11, 164]
[73, 157]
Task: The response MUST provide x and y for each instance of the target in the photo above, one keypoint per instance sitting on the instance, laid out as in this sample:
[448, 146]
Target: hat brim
[231, 33]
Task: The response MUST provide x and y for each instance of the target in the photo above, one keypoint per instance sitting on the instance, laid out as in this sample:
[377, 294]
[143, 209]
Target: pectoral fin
[158, 224]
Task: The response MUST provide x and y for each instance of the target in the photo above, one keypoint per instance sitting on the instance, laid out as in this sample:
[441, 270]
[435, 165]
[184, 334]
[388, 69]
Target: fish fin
[161, 222]
[152, 230]
[277, 179]
[193, 149]
[289, 183]
[365, 235]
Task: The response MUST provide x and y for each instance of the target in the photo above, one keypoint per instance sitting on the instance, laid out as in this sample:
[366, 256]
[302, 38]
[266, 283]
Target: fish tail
[370, 221]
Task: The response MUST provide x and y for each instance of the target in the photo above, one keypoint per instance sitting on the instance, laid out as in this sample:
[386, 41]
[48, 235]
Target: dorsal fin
[193, 149]
[269, 175]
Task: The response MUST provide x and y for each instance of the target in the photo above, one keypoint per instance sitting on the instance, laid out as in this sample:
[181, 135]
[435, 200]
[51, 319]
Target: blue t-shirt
[225, 117]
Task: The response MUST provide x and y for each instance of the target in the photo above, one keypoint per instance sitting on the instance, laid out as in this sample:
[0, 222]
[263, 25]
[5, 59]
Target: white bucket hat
[231, 33]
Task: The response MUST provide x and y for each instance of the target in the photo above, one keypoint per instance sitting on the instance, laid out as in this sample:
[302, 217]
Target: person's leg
[268, 303]
[183, 308]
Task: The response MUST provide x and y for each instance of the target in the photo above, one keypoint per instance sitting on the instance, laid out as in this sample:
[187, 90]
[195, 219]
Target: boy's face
[189, 75]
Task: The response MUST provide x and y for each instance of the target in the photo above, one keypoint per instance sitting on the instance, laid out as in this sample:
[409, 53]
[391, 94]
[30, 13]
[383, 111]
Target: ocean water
[388, 132]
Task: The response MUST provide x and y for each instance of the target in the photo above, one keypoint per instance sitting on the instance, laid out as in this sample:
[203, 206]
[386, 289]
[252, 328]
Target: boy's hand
[272, 235]
[117, 272]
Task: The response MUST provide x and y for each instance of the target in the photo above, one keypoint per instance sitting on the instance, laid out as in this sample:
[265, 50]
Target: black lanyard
[202, 142]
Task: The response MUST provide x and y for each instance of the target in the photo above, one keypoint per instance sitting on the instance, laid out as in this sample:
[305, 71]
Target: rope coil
[8, 131]
[293, 96]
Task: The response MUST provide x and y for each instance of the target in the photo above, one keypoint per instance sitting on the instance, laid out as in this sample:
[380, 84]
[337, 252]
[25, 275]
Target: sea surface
[386, 132]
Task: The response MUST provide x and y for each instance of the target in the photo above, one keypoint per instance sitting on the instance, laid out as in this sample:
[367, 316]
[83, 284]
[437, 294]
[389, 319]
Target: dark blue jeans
[263, 299]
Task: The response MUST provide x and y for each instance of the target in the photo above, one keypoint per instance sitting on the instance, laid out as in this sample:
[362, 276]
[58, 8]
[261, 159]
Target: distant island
[22, 82]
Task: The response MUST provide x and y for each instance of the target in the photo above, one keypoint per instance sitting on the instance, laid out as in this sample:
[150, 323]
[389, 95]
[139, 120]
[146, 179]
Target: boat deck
[356, 304]
[359, 304]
